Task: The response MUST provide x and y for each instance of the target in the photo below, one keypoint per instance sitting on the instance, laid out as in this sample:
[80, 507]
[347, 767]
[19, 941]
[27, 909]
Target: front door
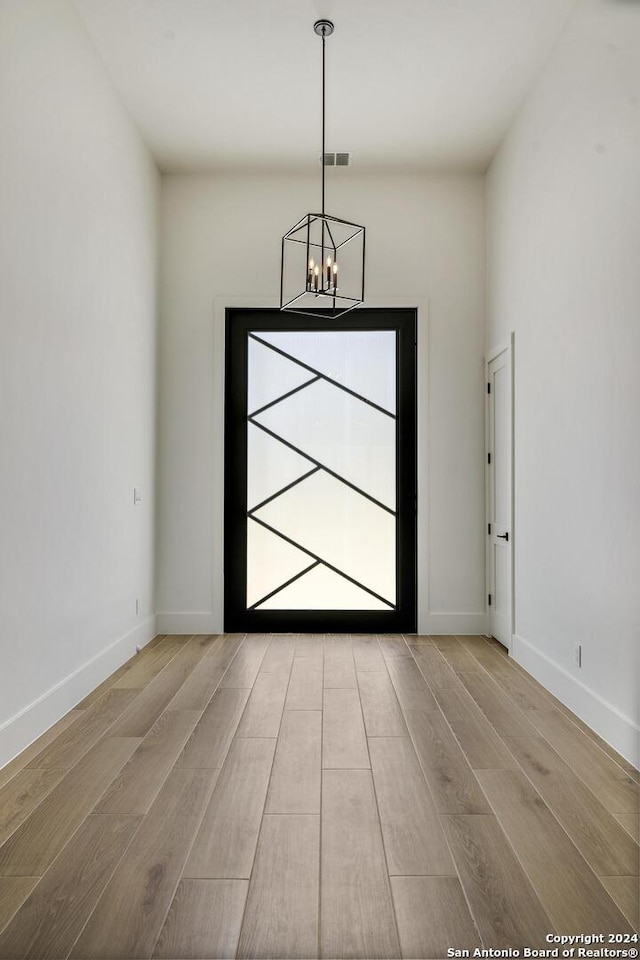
[320, 472]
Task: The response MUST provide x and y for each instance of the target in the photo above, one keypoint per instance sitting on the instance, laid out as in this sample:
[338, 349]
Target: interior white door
[499, 499]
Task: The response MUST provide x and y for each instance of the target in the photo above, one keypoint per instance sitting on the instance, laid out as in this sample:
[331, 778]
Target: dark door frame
[403, 618]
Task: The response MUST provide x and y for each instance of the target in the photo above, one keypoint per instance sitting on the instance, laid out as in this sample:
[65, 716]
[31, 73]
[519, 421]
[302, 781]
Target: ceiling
[412, 85]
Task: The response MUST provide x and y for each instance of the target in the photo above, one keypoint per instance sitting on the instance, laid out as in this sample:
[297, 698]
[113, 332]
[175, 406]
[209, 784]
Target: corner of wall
[36, 717]
[620, 731]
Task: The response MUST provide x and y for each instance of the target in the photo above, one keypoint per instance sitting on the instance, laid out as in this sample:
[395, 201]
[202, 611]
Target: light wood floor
[309, 796]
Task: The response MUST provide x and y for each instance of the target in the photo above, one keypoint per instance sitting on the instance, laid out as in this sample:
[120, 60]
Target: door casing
[502, 627]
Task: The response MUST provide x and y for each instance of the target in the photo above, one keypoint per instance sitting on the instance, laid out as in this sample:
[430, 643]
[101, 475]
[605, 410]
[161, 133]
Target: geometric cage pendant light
[322, 266]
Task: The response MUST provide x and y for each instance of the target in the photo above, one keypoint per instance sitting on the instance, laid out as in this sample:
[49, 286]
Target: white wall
[220, 247]
[564, 255]
[78, 197]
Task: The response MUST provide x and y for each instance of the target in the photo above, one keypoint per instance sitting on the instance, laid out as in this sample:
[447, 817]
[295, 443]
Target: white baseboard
[187, 623]
[463, 624]
[619, 730]
[24, 727]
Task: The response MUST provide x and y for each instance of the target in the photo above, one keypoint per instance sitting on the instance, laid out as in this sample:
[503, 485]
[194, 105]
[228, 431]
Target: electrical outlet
[137, 495]
[137, 607]
[577, 654]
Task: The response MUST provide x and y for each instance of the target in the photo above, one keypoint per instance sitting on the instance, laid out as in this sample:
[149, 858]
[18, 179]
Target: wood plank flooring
[310, 796]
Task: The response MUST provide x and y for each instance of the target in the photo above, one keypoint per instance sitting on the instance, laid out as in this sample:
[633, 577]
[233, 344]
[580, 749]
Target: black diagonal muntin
[323, 376]
[325, 563]
[285, 396]
[322, 466]
[291, 580]
[274, 496]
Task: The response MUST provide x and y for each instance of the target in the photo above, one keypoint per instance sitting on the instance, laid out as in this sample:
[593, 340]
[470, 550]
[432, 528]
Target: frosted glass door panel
[342, 528]
[322, 589]
[271, 466]
[271, 560]
[321, 471]
[362, 360]
[270, 376]
[342, 433]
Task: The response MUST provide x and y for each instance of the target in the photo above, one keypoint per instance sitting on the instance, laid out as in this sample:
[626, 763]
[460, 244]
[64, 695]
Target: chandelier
[322, 266]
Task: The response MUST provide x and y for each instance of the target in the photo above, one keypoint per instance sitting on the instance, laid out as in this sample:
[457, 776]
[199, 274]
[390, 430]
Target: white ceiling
[411, 84]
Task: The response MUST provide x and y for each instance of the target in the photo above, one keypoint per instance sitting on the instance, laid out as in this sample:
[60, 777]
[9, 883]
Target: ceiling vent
[337, 159]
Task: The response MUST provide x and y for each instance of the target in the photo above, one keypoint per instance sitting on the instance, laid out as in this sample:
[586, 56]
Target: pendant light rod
[324, 29]
[323, 114]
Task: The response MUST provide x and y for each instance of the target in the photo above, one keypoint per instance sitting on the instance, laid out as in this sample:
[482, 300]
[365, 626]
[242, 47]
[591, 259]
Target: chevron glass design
[321, 470]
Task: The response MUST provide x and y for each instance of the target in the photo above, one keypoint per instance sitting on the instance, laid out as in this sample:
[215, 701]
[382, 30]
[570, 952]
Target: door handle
[502, 536]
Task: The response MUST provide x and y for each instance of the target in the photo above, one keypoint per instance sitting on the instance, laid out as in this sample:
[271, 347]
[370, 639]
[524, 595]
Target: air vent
[337, 159]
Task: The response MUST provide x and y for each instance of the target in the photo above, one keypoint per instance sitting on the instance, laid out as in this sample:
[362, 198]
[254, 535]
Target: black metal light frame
[320, 237]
